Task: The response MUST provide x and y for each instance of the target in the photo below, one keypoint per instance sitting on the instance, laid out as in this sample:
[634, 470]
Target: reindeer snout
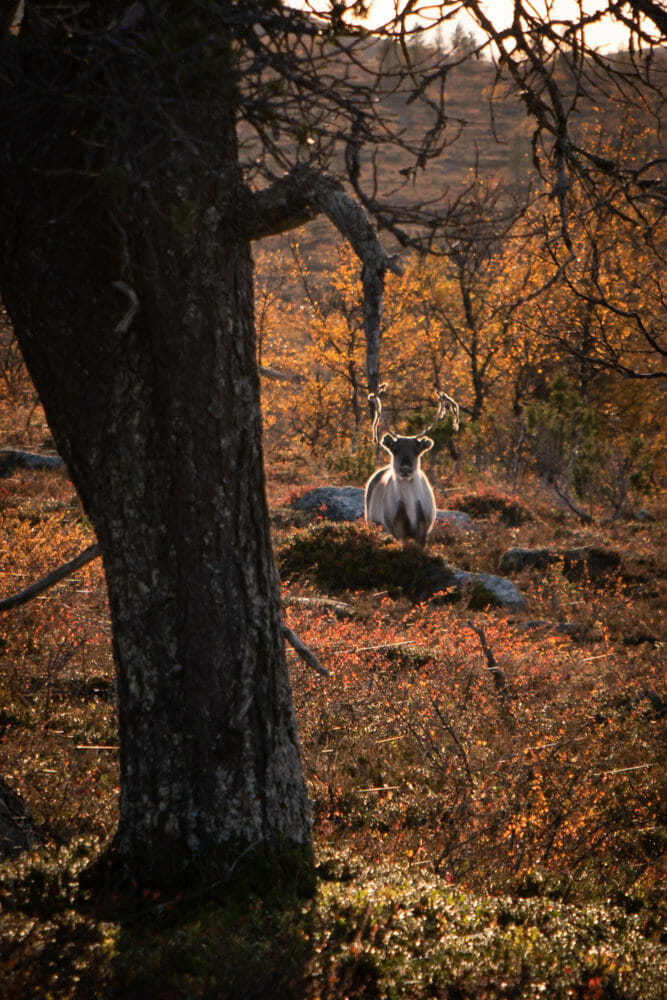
[406, 470]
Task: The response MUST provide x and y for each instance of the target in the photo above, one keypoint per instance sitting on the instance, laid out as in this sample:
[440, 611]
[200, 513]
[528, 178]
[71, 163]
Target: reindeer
[399, 496]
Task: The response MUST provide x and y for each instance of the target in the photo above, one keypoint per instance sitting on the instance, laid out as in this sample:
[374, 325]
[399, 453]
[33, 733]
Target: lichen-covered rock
[479, 589]
[454, 519]
[336, 503]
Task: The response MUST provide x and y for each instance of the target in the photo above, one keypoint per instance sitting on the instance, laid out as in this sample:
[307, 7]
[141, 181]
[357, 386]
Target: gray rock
[346, 503]
[480, 589]
[505, 593]
[597, 564]
[516, 559]
[337, 503]
[455, 519]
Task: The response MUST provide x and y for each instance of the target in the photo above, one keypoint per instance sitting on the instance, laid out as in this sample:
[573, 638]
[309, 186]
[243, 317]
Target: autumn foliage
[552, 368]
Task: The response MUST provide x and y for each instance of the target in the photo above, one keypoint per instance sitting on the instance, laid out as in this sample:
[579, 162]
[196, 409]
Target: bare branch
[306, 192]
[492, 663]
[9, 603]
[564, 495]
[304, 652]
[16, 600]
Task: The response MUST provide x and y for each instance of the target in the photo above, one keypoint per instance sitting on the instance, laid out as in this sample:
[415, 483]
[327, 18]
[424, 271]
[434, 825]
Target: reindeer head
[406, 452]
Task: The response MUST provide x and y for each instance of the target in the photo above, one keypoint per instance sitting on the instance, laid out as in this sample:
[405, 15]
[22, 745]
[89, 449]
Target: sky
[607, 36]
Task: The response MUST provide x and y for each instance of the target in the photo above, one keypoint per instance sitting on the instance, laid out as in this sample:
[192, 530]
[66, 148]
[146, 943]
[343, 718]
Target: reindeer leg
[422, 525]
[400, 527]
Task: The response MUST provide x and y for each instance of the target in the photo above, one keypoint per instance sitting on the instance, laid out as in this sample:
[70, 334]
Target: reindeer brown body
[399, 496]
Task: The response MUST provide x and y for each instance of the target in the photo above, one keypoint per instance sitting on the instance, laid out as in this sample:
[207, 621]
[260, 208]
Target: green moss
[347, 557]
[481, 597]
[369, 931]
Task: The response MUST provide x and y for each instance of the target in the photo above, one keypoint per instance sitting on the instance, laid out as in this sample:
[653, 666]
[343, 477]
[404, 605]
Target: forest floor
[487, 783]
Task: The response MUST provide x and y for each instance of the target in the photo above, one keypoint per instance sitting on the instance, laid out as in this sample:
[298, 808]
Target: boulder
[346, 503]
[337, 503]
[454, 519]
[516, 559]
[479, 589]
[590, 561]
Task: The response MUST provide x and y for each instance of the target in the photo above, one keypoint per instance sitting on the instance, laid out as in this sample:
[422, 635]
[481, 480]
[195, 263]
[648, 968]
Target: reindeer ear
[388, 442]
[424, 444]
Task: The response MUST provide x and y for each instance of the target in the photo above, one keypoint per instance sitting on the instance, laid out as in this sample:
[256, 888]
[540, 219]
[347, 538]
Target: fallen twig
[498, 674]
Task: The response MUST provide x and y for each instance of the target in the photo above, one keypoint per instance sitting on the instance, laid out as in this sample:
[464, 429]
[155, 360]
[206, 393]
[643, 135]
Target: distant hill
[488, 130]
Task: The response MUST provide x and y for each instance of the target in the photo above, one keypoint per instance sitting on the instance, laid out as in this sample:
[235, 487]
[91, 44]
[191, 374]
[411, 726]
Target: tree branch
[497, 673]
[653, 11]
[564, 495]
[300, 196]
[306, 654]
[9, 603]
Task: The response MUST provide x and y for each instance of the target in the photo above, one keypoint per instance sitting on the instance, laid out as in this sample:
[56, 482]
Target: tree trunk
[131, 291]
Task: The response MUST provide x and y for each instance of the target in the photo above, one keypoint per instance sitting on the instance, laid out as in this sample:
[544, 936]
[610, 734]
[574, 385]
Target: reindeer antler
[376, 403]
[445, 403]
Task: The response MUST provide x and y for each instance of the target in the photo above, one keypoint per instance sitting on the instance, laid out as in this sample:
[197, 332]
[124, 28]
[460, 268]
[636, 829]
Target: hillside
[488, 134]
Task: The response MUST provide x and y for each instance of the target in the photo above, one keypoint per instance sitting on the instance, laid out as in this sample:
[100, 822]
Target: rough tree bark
[159, 423]
[125, 265]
